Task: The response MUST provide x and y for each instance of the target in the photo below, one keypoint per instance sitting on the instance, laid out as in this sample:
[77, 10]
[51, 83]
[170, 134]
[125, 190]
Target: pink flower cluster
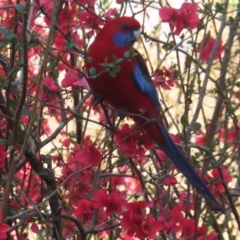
[132, 142]
[185, 17]
[206, 47]
[165, 78]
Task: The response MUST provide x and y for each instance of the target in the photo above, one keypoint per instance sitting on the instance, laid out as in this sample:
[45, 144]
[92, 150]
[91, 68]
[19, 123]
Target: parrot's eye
[124, 26]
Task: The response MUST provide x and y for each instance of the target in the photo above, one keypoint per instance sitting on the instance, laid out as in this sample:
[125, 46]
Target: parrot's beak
[137, 34]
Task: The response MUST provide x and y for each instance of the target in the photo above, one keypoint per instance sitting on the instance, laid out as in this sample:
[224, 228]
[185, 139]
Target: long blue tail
[178, 158]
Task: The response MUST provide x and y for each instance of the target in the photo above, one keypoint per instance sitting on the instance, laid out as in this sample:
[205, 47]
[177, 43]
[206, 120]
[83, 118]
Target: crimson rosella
[118, 75]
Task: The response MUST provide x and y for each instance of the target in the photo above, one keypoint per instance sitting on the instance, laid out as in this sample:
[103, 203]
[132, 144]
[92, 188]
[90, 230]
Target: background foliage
[69, 171]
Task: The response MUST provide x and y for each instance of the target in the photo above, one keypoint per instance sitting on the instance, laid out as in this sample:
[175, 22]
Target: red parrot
[118, 75]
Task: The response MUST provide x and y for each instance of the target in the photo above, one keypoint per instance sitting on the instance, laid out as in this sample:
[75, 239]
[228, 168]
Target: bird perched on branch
[118, 74]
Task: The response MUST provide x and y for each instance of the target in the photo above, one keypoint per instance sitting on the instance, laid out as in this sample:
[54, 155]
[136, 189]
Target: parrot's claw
[97, 100]
[122, 113]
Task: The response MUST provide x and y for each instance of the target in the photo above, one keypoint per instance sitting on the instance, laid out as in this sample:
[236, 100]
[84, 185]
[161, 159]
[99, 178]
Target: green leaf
[3, 31]
[108, 143]
[184, 120]
[220, 7]
[231, 109]
[142, 110]
[212, 144]
[116, 69]
[72, 134]
[3, 81]
[52, 150]
[45, 159]
[111, 65]
[104, 65]
[119, 60]
[192, 43]
[4, 142]
[176, 74]
[72, 44]
[114, 58]
[20, 8]
[16, 84]
[167, 47]
[88, 59]
[133, 52]
[92, 71]
[25, 111]
[197, 126]
[78, 117]
[2, 45]
[13, 103]
[33, 44]
[188, 61]
[43, 173]
[10, 36]
[7, 35]
[112, 74]
[122, 161]
[126, 54]
[21, 136]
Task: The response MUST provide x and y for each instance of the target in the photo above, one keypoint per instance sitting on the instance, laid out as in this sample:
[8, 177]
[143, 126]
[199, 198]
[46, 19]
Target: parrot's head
[122, 31]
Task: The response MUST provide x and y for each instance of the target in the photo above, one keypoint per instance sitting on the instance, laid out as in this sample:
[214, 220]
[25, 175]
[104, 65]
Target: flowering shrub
[185, 17]
[71, 168]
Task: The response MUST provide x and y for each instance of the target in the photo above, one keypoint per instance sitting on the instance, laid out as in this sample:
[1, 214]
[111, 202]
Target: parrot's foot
[122, 113]
[97, 100]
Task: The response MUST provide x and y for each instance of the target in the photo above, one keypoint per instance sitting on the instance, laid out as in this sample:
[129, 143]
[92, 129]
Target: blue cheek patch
[122, 39]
